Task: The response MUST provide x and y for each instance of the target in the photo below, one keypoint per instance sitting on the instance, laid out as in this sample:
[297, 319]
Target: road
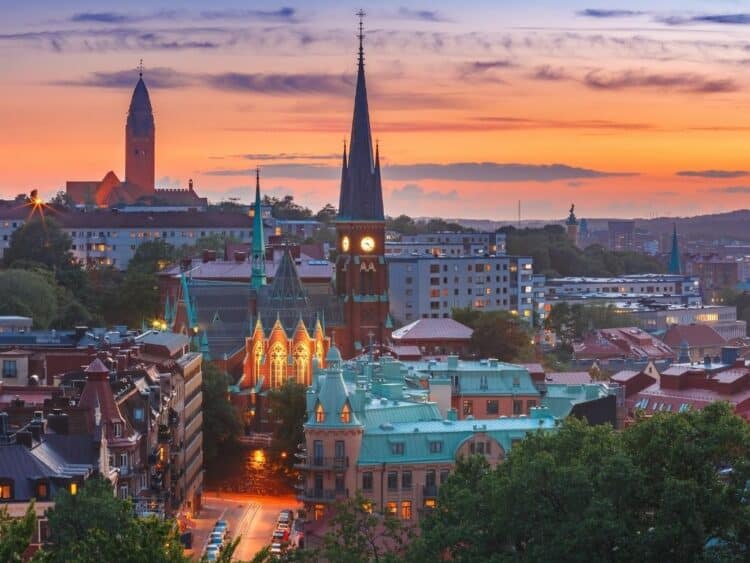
[253, 517]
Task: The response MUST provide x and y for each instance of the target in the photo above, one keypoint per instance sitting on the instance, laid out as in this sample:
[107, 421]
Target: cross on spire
[361, 14]
[140, 69]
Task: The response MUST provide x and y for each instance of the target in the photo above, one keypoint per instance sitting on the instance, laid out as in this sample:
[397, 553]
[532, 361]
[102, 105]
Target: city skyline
[629, 112]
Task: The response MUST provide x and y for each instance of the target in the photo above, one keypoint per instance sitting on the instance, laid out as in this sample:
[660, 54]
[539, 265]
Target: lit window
[391, 508]
[320, 415]
[117, 429]
[74, 488]
[406, 510]
[346, 414]
[41, 490]
[6, 491]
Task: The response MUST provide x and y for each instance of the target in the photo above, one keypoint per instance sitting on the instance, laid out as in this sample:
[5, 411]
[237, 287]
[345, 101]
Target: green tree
[28, 294]
[152, 256]
[16, 533]
[221, 422]
[287, 208]
[327, 214]
[288, 409]
[653, 492]
[40, 241]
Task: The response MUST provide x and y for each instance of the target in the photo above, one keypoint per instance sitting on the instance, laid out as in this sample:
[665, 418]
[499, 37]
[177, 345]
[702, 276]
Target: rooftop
[433, 329]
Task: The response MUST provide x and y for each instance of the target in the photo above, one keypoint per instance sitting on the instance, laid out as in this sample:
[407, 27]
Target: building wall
[430, 287]
[478, 406]
[192, 416]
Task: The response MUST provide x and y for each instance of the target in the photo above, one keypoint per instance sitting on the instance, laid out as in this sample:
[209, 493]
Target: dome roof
[333, 354]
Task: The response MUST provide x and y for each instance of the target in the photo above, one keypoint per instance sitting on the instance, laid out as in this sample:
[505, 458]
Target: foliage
[28, 294]
[653, 492]
[497, 334]
[405, 225]
[61, 200]
[288, 409]
[40, 241]
[327, 214]
[16, 533]
[286, 208]
[152, 256]
[94, 525]
[741, 300]
[555, 255]
[221, 423]
[573, 322]
[357, 533]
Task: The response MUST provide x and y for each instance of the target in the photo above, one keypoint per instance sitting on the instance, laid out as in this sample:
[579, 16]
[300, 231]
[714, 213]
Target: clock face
[368, 244]
[345, 244]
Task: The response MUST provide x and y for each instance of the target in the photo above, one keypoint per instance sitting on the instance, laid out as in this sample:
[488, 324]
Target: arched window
[346, 414]
[320, 414]
[278, 361]
[301, 364]
[257, 359]
[319, 351]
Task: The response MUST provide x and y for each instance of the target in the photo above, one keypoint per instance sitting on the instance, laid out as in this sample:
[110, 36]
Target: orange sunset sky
[640, 110]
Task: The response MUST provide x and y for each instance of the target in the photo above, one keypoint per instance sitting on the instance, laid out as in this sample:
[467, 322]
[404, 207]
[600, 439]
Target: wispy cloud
[413, 192]
[549, 73]
[160, 77]
[458, 171]
[265, 157]
[713, 173]
[731, 190]
[507, 122]
[724, 19]
[681, 82]
[421, 15]
[284, 14]
[608, 13]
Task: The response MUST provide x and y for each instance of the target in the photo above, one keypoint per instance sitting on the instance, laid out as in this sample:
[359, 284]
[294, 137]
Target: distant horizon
[622, 111]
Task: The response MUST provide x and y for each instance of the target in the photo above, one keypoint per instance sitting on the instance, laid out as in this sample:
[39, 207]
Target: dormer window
[117, 429]
[346, 414]
[6, 490]
[320, 414]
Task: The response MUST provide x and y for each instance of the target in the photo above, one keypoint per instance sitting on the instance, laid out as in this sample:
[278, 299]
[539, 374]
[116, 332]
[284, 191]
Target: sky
[633, 109]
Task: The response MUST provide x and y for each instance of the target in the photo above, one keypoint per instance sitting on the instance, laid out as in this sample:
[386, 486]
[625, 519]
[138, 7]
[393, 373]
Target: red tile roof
[695, 335]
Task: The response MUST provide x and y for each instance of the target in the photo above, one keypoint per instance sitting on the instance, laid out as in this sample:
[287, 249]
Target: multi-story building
[717, 273]
[656, 288]
[657, 319]
[447, 244]
[431, 286]
[621, 235]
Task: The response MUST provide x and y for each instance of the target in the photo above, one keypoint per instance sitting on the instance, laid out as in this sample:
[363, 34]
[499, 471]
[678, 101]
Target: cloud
[732, 190]
[457, 171]
[281, 84]
[724, 19]
[421, 15]
[549, 73]
[284, 14]
[289, 156]
[506, 122]
[683, 82]
[159, 77]
[411, 192]
[102, 17]
[605, 13]
[713, 173]
[482, 66]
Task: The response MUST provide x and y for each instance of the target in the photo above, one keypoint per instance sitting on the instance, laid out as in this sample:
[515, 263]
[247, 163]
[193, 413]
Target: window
[339, 483]
[367, 481]
[278, 362]
[10, 369]
[530, 405]
[406, 510]
[391, 508]
[429, 479]
[517, 407]
[444, 476]
[117, 429]
[138, 413]
[124, 491]
[430, 503]
[468, 408]
[6, 491]
[346, 414]
[42, 490]
[317, 452]
[406, 480]
[392, 481]
[397, 448]
[493, 406]
[320, 414]
[123, 460]
[338, 450]
[436, 447]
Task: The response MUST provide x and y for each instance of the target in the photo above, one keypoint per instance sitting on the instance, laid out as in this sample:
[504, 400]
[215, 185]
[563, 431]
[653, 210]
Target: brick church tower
[361, 268]
[139, 140]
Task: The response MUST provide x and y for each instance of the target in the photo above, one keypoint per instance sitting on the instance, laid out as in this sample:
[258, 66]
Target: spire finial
[257, 178]
[361, 14]
[140, 69]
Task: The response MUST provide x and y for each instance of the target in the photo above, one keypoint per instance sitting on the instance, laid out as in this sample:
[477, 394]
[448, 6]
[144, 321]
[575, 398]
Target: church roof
[361, 190]
[140, 115]
[286, 289]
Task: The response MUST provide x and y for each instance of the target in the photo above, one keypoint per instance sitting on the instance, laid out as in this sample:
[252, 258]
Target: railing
[323, 463]
[323, 495]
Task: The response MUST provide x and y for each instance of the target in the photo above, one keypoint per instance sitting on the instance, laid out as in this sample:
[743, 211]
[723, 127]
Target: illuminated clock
[345, 244]
[367, 244]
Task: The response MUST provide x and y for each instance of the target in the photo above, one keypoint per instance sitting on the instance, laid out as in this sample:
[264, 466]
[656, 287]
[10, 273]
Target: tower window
[320, 414]
[346, 414]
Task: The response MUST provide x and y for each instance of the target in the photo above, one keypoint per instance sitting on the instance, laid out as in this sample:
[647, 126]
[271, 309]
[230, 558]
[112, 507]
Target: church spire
[140, 139]
[361, 192]
[675, 264]
[258, 275]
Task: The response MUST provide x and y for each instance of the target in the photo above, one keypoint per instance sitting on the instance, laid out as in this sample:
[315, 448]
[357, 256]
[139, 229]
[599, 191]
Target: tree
[16, 533]
[61, 200]
[40, 241]
[221, 423]
[288, 409]
[152, 256]
[28, 294]
[286, 208]
[93, 525]
[357, 532]
[327, 214]
[657, 491]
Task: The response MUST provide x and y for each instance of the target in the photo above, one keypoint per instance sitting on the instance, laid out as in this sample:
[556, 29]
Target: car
[278, 536]
[275, 548]
[216, 539]
[222, 531]
[221, 522]
[282, 526]
[212, 552]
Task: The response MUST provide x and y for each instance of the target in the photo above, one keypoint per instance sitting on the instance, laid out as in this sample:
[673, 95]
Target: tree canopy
[573, 322]
[221, 423]
[497, 334]
[288, 408]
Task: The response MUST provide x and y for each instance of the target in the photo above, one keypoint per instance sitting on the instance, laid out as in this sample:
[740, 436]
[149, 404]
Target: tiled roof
[624, 375]
[433, 329]
[695, 335]
[568, 377]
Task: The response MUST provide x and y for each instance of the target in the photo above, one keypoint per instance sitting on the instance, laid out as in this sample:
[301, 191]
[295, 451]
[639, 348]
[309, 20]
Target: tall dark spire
[361, 192]
[675, 264]
[258, 259]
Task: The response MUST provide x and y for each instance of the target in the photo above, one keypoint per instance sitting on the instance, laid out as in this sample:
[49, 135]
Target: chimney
[58, 422]
[707, 361]
[209, 256]
[122, 362]
[37, 429]
[4, 424]
[23, 437]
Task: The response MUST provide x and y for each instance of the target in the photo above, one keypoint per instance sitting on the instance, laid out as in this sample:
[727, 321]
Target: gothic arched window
[257, 360]
[346, 414]
[278, 361]
[301, 364]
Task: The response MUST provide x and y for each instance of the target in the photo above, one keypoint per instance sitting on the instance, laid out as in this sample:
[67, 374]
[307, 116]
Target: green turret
[258, 277]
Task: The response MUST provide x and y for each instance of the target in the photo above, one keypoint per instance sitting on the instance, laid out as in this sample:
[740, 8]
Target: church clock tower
[361, 268]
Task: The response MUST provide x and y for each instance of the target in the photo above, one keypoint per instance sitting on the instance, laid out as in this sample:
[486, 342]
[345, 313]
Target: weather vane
[140, 69]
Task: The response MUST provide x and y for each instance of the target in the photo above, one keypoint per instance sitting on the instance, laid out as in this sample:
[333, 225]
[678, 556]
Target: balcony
[316, 463]
[322, 495]
[430, 491]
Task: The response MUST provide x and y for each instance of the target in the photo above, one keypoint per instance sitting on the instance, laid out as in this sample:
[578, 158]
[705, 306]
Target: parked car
[275, 548]
[216, 538]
